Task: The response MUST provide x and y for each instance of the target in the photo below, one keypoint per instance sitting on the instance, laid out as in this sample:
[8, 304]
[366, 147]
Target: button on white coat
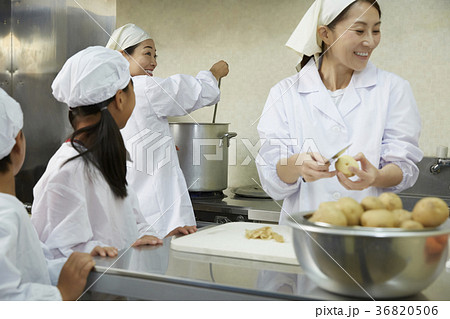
[336, 195]
[336, 129]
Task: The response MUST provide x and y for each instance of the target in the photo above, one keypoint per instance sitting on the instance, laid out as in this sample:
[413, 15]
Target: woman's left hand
[186, 230]
[367, 175]
[147, 240]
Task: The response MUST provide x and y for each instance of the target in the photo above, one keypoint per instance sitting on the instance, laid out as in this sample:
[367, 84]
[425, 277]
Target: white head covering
[91, 76]
[127, 36]
[304, 39]
[11, 122]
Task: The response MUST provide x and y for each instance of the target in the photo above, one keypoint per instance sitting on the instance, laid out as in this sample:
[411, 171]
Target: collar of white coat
[310, 81]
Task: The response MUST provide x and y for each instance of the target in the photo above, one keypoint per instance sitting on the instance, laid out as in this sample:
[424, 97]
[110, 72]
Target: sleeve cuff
[410, 174]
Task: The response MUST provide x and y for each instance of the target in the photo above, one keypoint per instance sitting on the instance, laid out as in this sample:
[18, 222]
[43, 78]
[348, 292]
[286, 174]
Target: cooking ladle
[215, 107]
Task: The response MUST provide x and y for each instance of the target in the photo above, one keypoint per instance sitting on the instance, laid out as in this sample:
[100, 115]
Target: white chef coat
[74, 208]
[377, 113]
[155, 172]
[24, 273]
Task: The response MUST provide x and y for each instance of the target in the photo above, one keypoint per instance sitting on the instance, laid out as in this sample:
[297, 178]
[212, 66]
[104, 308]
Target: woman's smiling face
[353, 39]
[143, 59]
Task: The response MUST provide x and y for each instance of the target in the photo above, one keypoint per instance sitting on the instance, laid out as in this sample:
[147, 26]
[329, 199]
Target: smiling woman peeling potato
[338, 97]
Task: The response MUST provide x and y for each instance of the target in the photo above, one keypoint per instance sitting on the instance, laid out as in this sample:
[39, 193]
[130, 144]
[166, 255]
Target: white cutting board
[229, 240]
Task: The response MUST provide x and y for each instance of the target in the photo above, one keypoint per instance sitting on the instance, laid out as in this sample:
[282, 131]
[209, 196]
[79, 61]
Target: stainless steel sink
[428, 184]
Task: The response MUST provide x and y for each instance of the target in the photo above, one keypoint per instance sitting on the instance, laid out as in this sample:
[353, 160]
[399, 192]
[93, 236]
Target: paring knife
[335, 157]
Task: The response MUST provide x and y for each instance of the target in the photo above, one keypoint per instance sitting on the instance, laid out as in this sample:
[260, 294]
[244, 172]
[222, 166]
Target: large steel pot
[203, 154]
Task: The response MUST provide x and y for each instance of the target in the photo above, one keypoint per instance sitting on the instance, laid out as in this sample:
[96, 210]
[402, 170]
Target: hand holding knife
[333, 158]
[336, 156]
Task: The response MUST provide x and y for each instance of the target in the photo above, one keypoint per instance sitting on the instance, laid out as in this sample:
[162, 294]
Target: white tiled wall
[191, 35]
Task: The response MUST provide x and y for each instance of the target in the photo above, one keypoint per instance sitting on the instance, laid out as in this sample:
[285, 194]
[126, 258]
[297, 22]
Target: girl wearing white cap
[338, 98]
[160, 184]
[24, 272]
[82, 202]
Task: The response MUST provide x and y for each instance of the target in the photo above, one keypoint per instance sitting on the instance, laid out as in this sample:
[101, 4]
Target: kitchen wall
[250, 35]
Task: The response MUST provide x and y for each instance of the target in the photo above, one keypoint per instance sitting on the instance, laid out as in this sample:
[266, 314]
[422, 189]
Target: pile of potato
[385, 210]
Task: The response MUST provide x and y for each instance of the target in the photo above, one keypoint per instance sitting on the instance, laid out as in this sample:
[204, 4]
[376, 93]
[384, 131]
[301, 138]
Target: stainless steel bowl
[379, 263]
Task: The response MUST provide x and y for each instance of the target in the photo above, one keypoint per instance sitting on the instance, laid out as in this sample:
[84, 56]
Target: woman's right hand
[219, 69]
[73, 277]
[104, 251]
[309, 166]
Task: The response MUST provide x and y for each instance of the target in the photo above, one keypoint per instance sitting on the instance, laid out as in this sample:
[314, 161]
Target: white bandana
[127, 36]
[304, 40]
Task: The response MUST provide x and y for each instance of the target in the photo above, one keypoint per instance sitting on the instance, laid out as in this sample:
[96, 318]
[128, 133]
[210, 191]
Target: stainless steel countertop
[160, 273]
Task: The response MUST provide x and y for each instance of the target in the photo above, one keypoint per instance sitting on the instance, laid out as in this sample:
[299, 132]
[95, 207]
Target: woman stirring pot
[338, 98]
[155, 174]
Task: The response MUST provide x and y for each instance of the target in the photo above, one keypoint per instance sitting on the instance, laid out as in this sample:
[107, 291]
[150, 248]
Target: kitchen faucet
[440, 162]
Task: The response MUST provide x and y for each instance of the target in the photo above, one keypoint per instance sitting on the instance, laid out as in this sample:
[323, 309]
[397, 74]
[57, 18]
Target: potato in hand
[344, 163]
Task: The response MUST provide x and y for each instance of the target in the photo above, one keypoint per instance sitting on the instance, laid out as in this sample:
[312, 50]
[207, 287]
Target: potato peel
[265, 233]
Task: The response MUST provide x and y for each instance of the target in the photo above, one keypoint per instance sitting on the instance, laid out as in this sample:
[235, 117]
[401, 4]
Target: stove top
[236, 208]
[206, 195]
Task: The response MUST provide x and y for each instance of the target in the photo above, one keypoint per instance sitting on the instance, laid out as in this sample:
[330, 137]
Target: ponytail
[304, 61]
[103, 145]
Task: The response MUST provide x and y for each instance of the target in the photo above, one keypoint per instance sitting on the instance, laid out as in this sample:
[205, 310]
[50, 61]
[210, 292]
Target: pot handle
[227, 136]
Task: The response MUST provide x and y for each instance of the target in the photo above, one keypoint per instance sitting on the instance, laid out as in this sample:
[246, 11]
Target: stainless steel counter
[160, 273]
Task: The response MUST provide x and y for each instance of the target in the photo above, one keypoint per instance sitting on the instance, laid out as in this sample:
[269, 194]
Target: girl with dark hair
[82, 202]
[337, 98]
[19, 244]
